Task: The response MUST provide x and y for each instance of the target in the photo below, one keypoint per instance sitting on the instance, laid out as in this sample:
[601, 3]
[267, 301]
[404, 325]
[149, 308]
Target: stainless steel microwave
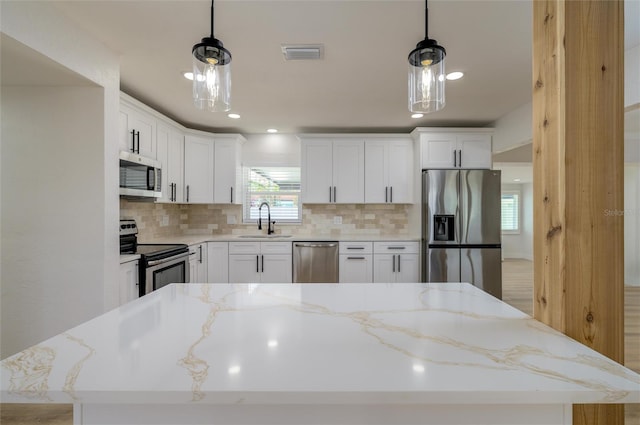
[140, 177]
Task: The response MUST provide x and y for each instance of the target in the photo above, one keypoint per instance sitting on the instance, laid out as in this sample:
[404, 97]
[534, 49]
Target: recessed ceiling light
[189, 76]
[516, 180]
[417, 115]
[234, 116]
[454, 75]
[272, 130]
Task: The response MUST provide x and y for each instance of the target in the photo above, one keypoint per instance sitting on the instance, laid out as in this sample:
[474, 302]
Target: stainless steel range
[160, 264]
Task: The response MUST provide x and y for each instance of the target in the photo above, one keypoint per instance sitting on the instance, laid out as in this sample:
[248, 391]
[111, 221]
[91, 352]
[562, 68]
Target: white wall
[51, 265]
[271, 150]
[632, 224]
[51, 277]
[632, 76]
[521, 245]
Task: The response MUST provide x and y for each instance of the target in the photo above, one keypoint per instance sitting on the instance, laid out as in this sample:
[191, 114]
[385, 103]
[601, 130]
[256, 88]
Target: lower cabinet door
[384, 268]
[129, 289]
[408, 270]
[244, 268]
[276, 268]
[218, 262]
[356, 268]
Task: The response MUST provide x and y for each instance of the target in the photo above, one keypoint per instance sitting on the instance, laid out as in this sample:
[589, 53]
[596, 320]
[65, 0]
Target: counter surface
[196, 239]
[315, 344]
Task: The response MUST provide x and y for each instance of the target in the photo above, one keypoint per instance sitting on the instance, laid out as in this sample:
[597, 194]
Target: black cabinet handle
[355, 258]
[187, 193]
[329, 194]
[386, 194]
[355, 247]
[262, 260]
[391, 194]
[200, 250]
[460, 158]
[335, 198]
[232, 194]
[393, 264]
[133, 141]
[257, 264]
[398, 263]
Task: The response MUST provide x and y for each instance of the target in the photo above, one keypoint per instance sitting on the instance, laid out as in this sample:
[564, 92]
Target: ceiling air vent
[303, 51]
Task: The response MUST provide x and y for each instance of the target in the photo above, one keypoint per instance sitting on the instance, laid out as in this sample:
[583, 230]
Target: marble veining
[315, 344]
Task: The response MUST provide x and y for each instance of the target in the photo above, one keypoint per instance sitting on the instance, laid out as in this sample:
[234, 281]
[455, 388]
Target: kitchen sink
[264, 236]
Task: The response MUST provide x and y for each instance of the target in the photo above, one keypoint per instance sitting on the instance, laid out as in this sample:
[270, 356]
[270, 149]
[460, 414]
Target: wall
[521, 245]
[50, 262]
[60, 256]
[317, 220]
[632, 224]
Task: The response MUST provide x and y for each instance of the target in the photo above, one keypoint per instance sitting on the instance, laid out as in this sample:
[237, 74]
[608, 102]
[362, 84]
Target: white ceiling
[361, 85]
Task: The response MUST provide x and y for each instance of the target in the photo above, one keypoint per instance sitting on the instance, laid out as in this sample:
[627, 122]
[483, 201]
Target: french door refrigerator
[461, 228]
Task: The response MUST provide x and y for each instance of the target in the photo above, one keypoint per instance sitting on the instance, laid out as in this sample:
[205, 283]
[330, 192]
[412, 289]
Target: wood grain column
[578, 140]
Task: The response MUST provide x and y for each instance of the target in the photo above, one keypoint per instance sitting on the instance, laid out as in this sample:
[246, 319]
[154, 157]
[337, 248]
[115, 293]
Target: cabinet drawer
[399, 247]
[244, 247]
[349, 247]
[275, 248]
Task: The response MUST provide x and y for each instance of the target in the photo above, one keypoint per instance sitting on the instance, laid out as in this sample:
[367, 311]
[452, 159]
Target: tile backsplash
[165, 220]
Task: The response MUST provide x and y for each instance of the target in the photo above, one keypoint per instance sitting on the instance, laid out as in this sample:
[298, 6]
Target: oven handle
[166, 260]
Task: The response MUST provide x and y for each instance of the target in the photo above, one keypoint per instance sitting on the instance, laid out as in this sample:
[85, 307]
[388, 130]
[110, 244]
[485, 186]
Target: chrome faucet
[270, 224]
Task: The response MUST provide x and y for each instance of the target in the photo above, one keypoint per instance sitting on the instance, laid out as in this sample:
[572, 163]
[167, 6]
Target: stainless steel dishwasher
[315, 262]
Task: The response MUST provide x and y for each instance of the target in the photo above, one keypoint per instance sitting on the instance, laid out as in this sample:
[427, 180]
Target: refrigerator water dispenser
[443, 227]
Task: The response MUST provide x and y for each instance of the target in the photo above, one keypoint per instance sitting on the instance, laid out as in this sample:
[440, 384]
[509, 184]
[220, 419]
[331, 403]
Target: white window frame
[246, 219]
[518, 212]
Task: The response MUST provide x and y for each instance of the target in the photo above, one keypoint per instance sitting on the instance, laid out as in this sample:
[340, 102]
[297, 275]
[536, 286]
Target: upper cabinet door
[439, 151]
[348, 171]
[198, 169]
[170, 153]
[474, 151]
[227, 172]
[137, 131]
[376, 170]
[317, 171]
[400, 172]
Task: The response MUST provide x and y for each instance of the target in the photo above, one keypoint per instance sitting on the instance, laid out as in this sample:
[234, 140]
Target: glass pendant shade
[211, 76]
[427, 77]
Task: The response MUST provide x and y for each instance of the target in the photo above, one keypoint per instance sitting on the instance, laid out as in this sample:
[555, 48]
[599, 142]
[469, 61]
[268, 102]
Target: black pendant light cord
[426, 20]
[212, 18]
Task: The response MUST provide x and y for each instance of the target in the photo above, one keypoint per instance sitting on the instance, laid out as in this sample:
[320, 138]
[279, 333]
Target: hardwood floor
[517, 276]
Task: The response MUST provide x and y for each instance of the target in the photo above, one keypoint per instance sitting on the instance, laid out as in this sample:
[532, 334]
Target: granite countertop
[315, 344]
[196, 239]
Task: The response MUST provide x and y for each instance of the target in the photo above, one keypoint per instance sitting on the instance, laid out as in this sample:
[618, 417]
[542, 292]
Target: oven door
[162, 272]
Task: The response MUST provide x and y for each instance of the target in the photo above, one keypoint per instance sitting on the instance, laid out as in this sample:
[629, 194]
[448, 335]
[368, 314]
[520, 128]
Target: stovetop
[129, 244]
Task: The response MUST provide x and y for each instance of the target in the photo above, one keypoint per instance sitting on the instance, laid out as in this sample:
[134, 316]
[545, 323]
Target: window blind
[279, 187]
[510, 209]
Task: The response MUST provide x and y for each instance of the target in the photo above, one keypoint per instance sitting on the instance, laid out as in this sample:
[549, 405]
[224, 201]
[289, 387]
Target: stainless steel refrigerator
[461, 228]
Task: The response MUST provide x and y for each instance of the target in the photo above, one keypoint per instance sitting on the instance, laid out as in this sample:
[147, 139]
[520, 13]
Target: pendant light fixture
[211, 74]
[426, 73]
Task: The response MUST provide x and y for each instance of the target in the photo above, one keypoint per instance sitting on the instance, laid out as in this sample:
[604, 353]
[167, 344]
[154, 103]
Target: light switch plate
[231, 219]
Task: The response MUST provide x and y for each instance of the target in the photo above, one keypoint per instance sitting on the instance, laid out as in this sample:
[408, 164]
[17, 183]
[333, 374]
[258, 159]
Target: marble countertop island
[374, 353]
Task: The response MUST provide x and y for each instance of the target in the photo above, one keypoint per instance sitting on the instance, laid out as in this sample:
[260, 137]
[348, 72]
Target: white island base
[312, 414]
[316, 354]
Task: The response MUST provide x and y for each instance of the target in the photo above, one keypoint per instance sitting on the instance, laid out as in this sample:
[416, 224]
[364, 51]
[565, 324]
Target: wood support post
[578, 140]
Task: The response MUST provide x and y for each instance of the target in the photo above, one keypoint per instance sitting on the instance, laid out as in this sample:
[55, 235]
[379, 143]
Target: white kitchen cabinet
[129, 288]
[389, 171]
[227, 181]
[395, 262]
[170, 153]
[198, 263]
[198, 169]
[332, 170]
[217, 262]
[355, 262]
[260, 262]
[466, 150]
[137, 131]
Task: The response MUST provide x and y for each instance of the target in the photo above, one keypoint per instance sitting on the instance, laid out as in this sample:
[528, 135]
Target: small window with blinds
[510, 207]
[279, 187]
